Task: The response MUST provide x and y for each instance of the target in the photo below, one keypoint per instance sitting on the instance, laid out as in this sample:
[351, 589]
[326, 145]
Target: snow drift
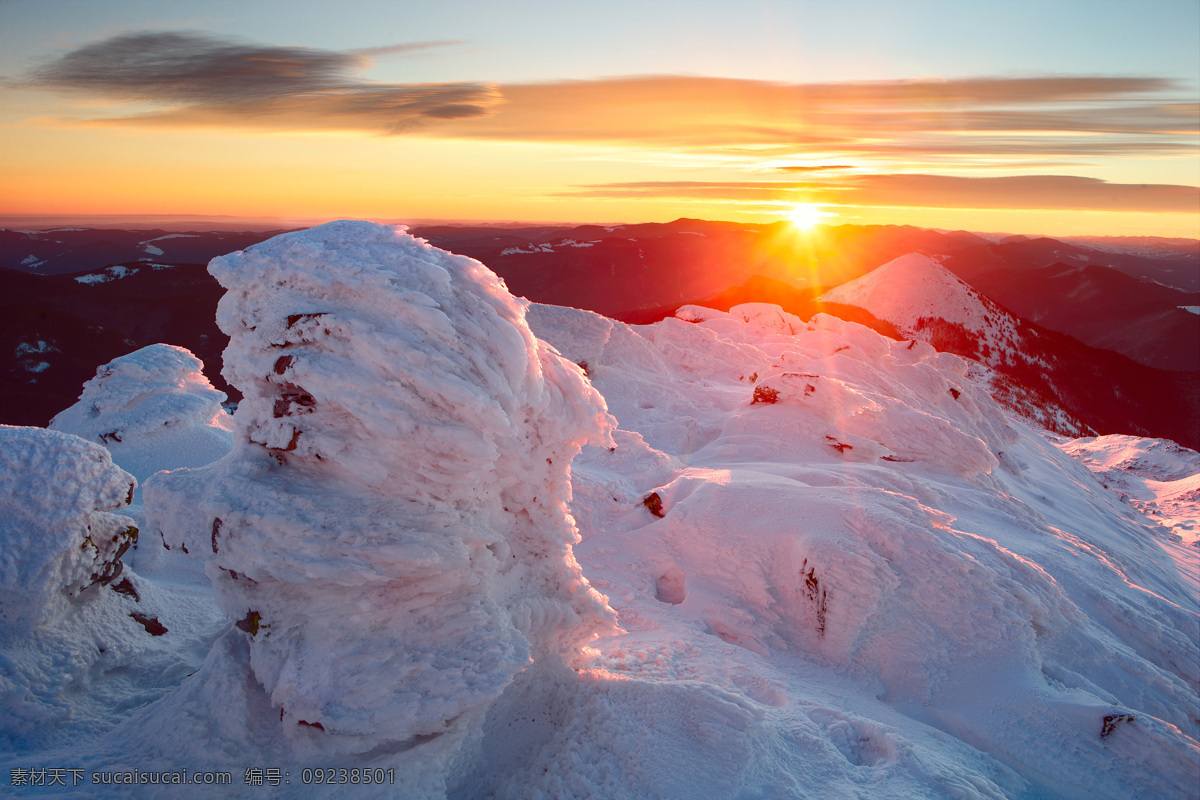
[390, 531]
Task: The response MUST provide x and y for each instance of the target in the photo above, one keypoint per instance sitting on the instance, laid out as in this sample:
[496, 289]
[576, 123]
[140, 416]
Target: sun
[806, 215]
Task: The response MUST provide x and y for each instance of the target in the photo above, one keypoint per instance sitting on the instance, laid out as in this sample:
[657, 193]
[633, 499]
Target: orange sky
[122, 121]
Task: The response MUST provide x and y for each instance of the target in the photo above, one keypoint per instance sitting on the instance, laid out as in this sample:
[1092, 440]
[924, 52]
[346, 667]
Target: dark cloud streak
[189, 68]
[209, 81]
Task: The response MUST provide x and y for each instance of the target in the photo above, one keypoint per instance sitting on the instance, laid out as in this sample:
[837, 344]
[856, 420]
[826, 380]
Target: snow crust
[839, 567]
[1160, 478]
[76, 620]
[876, 517]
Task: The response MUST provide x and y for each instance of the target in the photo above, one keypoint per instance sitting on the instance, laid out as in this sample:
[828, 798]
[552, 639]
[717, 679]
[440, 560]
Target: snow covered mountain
[913, 291]
[1048, 377]
[837, 566]
[61, 251]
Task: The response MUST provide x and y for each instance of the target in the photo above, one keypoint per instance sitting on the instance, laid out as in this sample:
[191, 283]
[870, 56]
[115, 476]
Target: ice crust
[840, 568]
[397, 492]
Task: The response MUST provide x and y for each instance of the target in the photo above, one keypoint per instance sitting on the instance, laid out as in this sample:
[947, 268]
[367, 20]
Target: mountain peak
[914, 286]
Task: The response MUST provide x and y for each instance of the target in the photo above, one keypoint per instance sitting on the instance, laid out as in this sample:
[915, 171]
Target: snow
[113, 273]
[546, 247]
[917, 286]
[401, 386]
[154, 410]
[25, 348]
[919, 296]
[1159, 477]
[839, 568]
[38, 347]
[76, 660]
[173, 236]
[58, 537]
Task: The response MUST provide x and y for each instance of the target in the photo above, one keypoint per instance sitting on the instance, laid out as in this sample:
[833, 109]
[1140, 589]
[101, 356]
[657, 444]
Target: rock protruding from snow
[391, 530]
[57, 537]
[153, 409]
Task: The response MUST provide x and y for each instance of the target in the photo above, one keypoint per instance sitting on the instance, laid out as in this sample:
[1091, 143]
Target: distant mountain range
[76, 298]
[66, 251]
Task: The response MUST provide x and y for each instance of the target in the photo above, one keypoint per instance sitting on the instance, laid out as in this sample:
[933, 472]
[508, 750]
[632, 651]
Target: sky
[1053, 116]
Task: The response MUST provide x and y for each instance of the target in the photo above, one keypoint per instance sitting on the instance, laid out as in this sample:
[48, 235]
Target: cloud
[1031, 116]
[199, 80]
[817, 168]
[405, 48]
[205, 81]
[1046, 192]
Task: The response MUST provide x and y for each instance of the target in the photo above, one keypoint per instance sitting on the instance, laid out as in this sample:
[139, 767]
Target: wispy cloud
[1031, 116]
[817, 168]
[205, 81]
[405, 48]
[926, 191]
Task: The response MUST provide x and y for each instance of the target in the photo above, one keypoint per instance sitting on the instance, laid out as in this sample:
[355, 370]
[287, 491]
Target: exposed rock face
[390, 530]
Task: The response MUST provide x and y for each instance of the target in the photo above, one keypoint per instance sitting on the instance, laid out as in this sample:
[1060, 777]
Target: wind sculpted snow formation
[391, 530]
[153, 409]
[59, 536]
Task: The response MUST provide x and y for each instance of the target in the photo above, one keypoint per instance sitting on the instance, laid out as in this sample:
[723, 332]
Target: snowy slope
[839, 568]
[1156, 476]
[927, 302]
[916, 287]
